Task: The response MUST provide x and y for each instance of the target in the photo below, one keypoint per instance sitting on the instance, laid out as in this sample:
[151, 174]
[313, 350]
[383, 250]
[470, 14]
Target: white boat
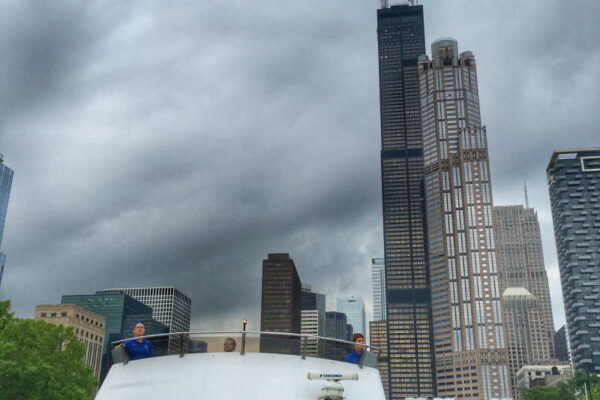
[247, 373]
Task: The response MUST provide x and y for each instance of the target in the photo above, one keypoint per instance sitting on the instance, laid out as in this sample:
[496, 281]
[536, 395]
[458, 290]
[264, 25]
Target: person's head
[359, 339]
[139, 329]
[229, 345]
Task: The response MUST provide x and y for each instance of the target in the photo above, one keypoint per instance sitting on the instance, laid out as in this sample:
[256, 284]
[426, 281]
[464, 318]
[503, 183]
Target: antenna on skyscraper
[384, 3]
[526, 196]
[413, 2]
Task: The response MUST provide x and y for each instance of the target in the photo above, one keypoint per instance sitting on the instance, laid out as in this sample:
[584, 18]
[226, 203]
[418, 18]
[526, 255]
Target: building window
[44, 315]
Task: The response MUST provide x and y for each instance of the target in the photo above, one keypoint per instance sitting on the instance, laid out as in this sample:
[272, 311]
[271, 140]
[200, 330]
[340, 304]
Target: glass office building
[401, 40]
[574, 185]
[6, 177]
[311, 300]
[169, 306]
[354, 308]
[120, 312]
[378, 279]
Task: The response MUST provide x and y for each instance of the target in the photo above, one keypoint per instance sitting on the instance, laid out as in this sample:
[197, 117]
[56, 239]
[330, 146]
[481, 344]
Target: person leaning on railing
[355, 355]
[139, 347]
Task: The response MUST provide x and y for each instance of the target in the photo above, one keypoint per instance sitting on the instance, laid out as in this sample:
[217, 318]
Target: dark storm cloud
[179, 143]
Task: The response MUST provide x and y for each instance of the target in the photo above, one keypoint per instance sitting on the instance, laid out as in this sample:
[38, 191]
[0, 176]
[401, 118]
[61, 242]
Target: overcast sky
[177, 143]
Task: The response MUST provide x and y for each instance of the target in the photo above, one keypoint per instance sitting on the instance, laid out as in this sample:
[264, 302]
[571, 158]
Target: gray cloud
[178, 144]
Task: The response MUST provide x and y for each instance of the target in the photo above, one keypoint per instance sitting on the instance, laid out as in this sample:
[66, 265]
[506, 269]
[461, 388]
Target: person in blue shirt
[355, 355]
[139, 347]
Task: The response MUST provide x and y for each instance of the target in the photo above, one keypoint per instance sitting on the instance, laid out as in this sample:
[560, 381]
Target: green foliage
[572, 389]
[41, 361]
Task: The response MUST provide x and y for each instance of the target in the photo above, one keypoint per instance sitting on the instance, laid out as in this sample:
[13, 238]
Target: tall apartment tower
[6, 177]
[281, 303]
[526, 331]
[574, 184]
[378, 276]
[169, 306]
[401, 40]
[465, 295]
[87, 326]
[520, 259]
[354, 308]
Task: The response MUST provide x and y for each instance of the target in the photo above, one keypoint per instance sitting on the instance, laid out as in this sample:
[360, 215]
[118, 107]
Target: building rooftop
[557, 153]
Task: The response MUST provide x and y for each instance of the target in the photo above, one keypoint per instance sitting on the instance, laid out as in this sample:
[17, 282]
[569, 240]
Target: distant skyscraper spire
[526, 196]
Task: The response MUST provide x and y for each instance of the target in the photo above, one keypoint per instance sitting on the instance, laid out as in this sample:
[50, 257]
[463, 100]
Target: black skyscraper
[401, 38]
[280, 308]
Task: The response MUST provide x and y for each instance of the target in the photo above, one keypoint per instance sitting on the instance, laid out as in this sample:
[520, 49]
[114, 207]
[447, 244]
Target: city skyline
[152, 213]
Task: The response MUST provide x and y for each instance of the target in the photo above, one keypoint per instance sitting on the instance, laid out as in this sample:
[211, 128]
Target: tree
[572, 389]
[41, 361]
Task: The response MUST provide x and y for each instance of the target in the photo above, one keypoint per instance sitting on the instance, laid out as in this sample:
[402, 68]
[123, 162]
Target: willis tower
[401, 40]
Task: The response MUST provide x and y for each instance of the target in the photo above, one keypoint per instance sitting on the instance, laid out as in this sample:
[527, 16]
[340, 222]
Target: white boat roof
[265, 366]
[252, 376]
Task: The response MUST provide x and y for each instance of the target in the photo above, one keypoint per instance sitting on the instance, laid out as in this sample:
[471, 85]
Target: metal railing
[268, 341]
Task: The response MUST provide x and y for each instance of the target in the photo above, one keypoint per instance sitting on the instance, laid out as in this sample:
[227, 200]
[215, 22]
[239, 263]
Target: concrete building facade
[574, 185]
[541, 375]
[87, 326]
[470, 350]
[313, 323]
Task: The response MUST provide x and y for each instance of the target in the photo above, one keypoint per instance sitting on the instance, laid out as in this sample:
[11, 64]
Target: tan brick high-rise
[521, 259]
[378, 336]
[470, 354]
[88, 327]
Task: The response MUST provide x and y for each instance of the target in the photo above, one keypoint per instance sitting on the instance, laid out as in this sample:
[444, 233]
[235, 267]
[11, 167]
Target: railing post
[362, 357]
[303, 347]
[125, 355]
[181, 346]
[243, 350]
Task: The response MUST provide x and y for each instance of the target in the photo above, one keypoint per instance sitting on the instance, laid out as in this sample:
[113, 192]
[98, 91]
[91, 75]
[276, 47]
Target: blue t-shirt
[353, 357]
[138, 350]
